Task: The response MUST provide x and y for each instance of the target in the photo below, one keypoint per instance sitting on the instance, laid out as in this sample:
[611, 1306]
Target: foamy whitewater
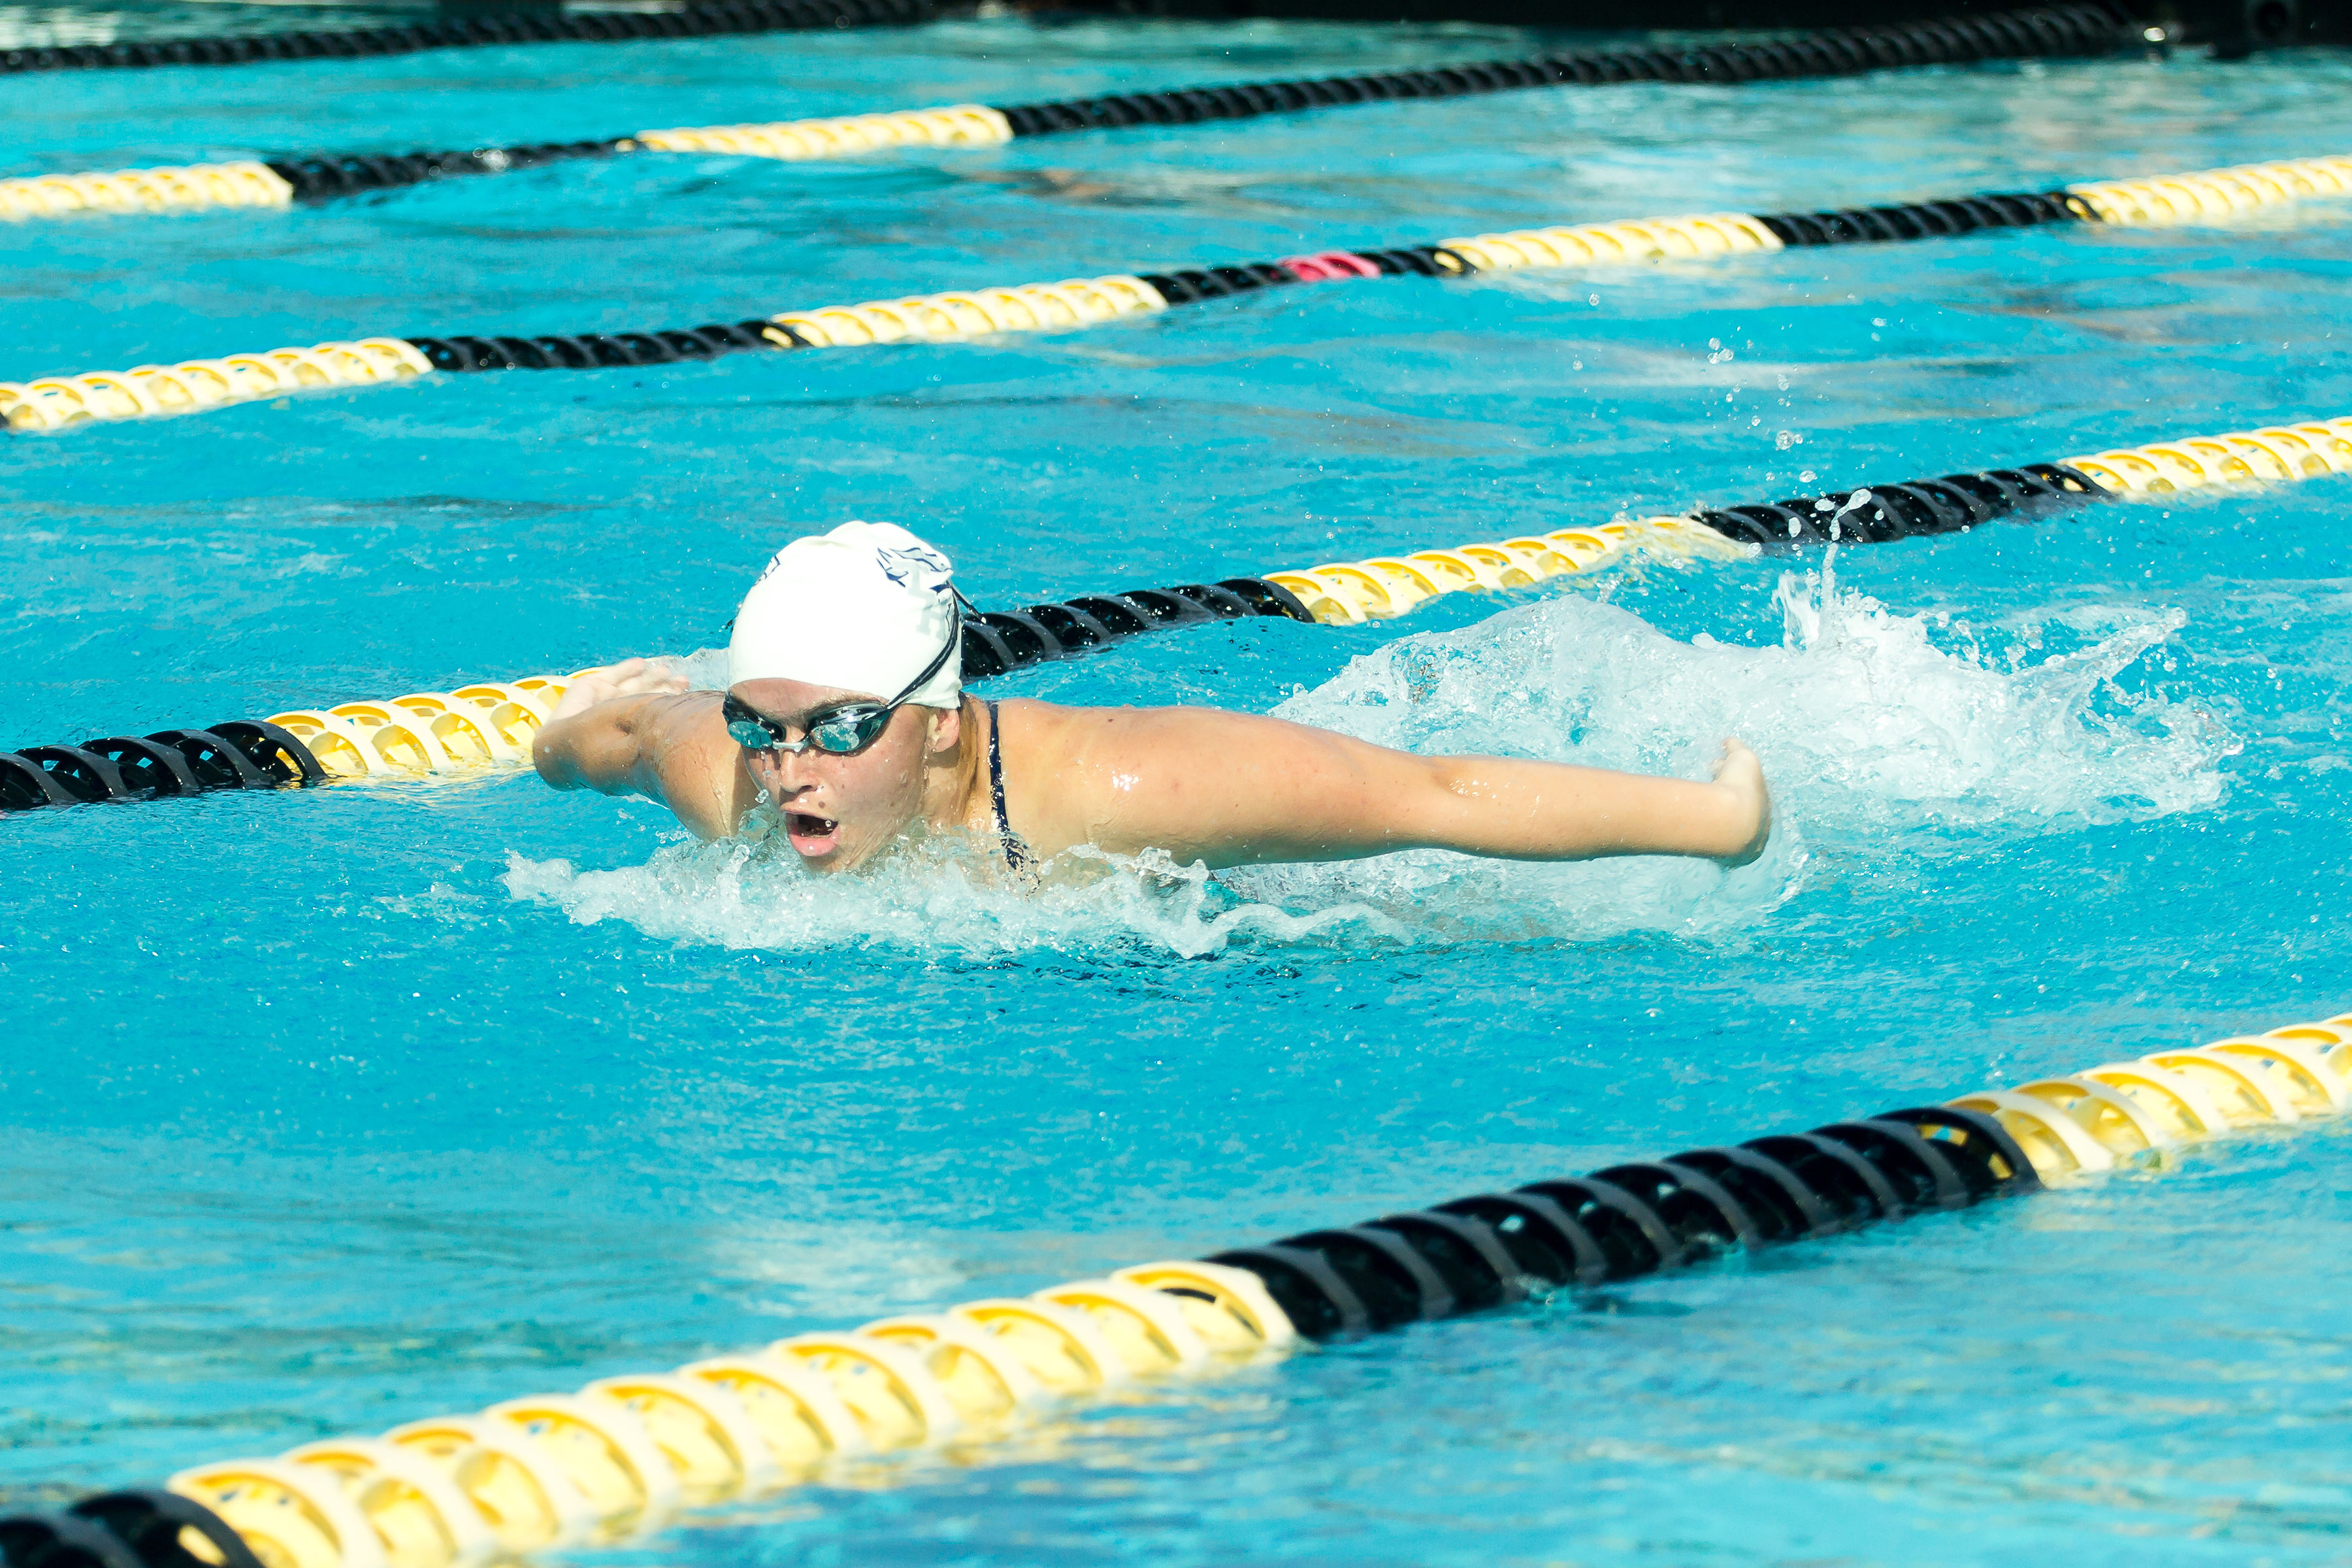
[1878, 741]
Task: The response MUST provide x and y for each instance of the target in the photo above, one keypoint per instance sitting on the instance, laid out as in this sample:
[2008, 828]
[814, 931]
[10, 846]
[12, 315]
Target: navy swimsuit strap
[1016, 854]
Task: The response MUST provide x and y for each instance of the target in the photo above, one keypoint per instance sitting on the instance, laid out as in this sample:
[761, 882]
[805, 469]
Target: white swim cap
[866, 607]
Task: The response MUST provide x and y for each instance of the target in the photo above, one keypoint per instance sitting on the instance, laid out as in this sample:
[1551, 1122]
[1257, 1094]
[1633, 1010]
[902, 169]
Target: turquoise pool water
[321, 1112]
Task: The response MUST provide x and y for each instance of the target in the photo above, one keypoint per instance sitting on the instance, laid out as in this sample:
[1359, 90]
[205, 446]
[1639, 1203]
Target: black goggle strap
[939, 661]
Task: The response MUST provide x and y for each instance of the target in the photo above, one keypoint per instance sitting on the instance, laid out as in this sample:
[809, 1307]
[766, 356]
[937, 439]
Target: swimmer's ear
[943, 729]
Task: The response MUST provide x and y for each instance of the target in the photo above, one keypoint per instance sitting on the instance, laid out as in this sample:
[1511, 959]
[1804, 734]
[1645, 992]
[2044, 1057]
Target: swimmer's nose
[793, 772]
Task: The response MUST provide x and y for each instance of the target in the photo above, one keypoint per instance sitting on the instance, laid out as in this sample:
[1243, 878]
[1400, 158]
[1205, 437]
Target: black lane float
[1488, 1250]
[697, 19]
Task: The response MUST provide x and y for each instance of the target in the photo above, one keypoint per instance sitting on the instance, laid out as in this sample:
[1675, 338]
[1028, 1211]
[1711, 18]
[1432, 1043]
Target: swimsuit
[1018, 857]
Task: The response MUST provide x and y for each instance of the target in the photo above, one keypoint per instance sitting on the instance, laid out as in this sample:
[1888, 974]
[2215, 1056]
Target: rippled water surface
[321, 1112]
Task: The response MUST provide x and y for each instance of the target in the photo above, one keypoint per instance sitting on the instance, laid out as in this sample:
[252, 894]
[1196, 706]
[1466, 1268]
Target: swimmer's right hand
[630, 677]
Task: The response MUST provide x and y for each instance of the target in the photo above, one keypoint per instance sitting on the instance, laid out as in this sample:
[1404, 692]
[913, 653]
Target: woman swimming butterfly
[845, 715]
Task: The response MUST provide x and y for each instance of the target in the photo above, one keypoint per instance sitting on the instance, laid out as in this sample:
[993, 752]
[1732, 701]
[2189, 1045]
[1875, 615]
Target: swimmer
[845, 722]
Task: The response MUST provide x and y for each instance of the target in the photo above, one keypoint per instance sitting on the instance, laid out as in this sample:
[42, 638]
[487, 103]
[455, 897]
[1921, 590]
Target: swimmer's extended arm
[632, 729]
[1232, 789]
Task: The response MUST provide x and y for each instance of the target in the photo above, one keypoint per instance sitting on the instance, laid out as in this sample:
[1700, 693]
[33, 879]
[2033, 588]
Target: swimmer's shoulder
[1032, 736]
[1054, 766]
[688, 721]
[1056, 733]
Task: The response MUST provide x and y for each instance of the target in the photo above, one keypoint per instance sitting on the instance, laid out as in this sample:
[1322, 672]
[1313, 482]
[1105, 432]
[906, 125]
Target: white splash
[1858, 715]
[1881, 723]
[746, 895]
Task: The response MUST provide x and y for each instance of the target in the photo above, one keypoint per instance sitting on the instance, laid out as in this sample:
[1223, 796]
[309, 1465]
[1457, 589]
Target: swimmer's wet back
[339, 1109]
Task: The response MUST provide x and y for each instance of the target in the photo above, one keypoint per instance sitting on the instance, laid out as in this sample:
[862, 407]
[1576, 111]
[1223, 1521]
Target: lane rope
[64, 402]
[489, 724]
[621, 1458]
[1349, 593]
[244, 183]
[194, 385]
[2077, 30]
[696, 19]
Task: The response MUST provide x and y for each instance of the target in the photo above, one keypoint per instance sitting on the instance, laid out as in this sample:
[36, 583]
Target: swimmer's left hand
[1741, 777]
[630, 677]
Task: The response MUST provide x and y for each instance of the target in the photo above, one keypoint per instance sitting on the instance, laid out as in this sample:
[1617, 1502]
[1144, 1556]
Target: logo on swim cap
[904, 567]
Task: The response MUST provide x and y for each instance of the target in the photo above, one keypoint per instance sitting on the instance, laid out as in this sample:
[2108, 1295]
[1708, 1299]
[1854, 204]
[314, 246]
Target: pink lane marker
[1328, 266]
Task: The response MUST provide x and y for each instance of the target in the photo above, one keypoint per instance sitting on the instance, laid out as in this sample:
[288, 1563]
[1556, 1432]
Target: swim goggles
[839, 731]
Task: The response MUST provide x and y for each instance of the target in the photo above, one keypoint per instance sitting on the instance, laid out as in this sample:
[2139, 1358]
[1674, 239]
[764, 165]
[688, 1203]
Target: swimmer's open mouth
[811, 834]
